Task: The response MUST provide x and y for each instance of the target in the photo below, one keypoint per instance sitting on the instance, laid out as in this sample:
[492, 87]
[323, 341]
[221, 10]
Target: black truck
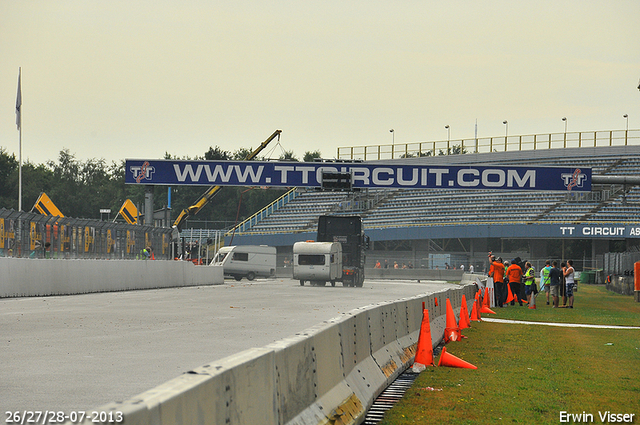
[348, 231]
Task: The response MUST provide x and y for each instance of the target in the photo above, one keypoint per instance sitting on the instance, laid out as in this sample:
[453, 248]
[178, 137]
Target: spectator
[563, 292]
[555, 278]
[569, 274]
[530, 289]
[377, 266]
[544, 278]
[496, 272]
[514, 273]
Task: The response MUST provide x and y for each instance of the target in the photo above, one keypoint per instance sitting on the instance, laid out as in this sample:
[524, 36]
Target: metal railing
[492, 144]
[29, 235]
[265, 212]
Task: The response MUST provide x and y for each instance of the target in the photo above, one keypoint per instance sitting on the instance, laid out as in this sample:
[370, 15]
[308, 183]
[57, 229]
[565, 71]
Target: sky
[137, 79]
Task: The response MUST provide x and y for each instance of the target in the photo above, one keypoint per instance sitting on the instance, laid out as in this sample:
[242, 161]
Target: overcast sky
[135, 79]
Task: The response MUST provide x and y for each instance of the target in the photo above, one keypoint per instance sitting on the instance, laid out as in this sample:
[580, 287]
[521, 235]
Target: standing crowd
[515, 281]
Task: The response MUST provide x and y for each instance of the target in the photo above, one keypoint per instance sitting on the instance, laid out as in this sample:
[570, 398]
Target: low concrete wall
[23, 277]
[407, 274]
[453, 275]
[330, 373]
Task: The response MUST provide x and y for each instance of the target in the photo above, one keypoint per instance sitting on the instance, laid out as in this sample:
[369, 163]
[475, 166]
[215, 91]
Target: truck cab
[348, 231]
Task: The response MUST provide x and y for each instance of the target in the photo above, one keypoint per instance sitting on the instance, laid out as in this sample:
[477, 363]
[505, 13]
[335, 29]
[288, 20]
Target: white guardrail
[328, 374]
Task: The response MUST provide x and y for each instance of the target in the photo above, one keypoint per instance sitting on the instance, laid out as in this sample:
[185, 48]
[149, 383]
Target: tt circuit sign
[361, 175]
[588, 231]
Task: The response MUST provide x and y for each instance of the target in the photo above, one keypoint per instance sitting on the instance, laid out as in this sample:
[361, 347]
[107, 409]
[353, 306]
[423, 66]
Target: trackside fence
[620, 263]
[29, 235]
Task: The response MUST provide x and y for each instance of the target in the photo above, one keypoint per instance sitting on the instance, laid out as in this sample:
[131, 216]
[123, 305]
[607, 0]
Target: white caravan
[246, 261]
[317, 262]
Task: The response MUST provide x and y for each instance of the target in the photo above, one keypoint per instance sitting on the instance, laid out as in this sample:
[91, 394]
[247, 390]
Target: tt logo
[575, 179]
[142, 172]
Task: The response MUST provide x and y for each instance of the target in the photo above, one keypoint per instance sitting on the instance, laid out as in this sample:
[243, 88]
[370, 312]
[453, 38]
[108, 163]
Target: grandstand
[420, 216]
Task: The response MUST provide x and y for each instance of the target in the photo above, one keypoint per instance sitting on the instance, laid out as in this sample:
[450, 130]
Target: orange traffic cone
[532, 304]
[451, 331]
[475, 312]
[487, 310]
[510, 296]
[486, 303]
[450, 360]
[464, 314]
[424, 353]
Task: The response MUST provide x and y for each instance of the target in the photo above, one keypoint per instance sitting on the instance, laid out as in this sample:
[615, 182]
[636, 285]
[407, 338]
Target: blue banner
[364, 175]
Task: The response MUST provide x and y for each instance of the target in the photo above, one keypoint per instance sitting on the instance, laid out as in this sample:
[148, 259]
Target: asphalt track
[79, 352]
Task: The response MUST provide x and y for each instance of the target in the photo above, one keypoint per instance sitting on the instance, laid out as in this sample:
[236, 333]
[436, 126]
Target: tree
[242, 153]
[455, 150]
[9, 180]
[288, 156]
[80, 189]
[217, 154]
[310, 156]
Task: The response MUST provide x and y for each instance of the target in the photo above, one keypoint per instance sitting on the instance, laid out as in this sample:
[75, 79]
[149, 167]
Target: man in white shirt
[569, 275]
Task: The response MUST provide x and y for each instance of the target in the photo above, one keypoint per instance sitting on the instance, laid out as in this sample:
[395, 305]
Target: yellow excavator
[213, 190]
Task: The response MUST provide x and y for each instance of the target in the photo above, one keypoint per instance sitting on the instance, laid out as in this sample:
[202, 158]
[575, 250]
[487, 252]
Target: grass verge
[530, 374]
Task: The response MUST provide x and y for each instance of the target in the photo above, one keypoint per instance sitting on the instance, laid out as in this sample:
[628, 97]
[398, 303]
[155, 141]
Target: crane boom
[213, 190]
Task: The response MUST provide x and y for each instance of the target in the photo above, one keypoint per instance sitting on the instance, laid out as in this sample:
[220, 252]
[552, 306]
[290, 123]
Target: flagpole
[20, 169]
[19, 123]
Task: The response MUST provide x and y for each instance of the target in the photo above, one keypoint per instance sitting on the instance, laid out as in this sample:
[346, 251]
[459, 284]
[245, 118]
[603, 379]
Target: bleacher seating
[432, 207]
[300, 213]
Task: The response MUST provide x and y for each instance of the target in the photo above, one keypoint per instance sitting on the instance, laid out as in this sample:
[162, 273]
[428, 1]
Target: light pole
[626, 117]
[506, 133]
[448, 139]
[393, 141]
[565, 131]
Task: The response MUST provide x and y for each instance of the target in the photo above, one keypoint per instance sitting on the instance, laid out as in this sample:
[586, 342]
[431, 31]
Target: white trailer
[247, 261]
[317, 262]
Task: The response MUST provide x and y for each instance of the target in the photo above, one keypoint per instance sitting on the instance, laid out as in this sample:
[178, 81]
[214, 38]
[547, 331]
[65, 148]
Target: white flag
[19, 103]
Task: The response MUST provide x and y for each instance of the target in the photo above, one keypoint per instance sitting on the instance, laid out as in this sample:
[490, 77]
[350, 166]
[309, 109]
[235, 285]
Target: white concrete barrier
[23, 277]
[330, 373]
[235, 390]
